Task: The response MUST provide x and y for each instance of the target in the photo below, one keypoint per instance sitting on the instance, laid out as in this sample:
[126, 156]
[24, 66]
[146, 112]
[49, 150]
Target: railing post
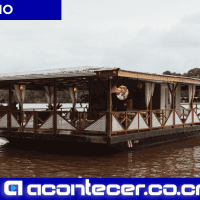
[174, 109]
[9, 108]
[109, 108]
[192, 107]
[79, 122]
[173, 118]
[54, 108]
[192, 116]
[35, 123]
[150, 113]
[138, 121]
[90, 94]
[22, 119]
[126, 121]
[163, 119]
[109, 124]
[151, 119]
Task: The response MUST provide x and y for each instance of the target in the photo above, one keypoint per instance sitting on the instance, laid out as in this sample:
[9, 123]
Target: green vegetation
[33, 96]
[194, 73]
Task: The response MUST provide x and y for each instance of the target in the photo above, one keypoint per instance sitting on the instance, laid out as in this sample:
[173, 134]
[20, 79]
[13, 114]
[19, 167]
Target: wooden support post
[192, 108]
[173, 107]
[109, 108]
[173, 92]
[9, 108]
[54, 107]
[35, 113]
[126, 121]
[90, 94]
[79, 124]
[22, 116]
[150, 108]
[138, 121]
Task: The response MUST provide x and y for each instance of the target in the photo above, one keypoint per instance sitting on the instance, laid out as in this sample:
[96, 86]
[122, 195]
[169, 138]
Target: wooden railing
[136, 121]
[44, 121]
[68, 122]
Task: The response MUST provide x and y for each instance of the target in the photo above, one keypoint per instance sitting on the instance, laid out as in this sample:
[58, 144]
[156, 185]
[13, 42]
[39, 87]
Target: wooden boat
[126, 108]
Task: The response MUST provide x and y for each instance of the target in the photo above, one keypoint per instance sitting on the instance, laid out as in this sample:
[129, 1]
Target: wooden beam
[157, 77]
[175, 87]
[107, 73]
[169, 88]
[117, 79]
[173, 92]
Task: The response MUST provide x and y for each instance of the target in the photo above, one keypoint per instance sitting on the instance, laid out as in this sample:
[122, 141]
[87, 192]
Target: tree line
[33, 96]
[193, 73]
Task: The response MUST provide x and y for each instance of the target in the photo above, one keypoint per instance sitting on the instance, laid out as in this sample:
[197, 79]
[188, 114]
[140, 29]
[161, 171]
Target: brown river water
[178, 159]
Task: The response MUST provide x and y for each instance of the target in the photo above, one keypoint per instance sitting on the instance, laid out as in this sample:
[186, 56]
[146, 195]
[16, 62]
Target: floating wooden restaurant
[124, 107]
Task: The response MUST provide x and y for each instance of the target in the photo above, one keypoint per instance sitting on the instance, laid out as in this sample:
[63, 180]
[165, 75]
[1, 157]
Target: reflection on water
[180, 159]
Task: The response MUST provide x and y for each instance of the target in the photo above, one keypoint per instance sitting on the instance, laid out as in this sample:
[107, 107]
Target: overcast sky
[138, 35]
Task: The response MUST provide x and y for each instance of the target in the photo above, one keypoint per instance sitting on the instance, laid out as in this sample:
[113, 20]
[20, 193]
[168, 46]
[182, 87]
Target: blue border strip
[30, 10]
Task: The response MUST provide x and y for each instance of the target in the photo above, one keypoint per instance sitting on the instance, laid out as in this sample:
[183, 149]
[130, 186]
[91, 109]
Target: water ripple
[180, 159]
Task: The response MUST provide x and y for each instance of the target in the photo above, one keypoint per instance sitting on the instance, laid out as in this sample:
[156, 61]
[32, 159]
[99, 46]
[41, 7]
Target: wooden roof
[52, 73]
[67, 77]
[148, 77]
[78, 77]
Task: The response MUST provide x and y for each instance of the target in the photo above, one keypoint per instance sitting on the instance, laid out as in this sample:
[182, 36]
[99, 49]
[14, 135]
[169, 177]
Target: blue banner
[100, 188]
[30, 10]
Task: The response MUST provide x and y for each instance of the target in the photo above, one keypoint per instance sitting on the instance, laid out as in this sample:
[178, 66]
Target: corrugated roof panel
[96, 71]
[53, 73]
